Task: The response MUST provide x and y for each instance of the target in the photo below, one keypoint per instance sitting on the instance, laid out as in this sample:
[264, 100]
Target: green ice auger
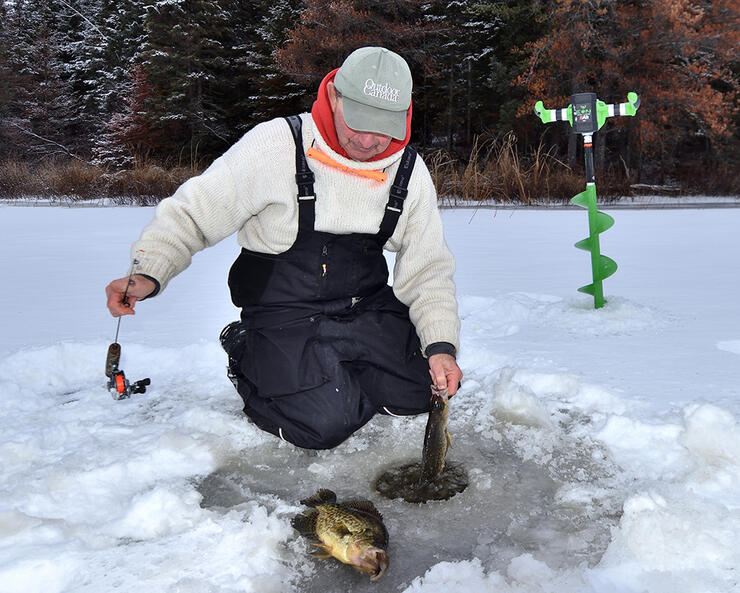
[586, 114]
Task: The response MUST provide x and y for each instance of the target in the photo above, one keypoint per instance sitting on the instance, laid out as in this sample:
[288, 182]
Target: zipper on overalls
[324, 260]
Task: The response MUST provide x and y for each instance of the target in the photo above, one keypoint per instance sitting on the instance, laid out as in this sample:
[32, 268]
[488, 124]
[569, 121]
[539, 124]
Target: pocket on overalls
[370, 267]
[284, 360]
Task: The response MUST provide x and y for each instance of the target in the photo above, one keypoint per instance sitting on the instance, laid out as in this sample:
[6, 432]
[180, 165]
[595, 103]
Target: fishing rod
[118, 384]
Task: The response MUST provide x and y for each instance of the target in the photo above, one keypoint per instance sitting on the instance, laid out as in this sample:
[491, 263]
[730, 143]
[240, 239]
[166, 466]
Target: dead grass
[70, 178]
[715, 179]
[73, 180]
[497, 172]
[16, 179]
[144, 184]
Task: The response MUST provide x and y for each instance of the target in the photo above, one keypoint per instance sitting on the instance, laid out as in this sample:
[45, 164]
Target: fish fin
[305, 524]
[380, 536]
[322, 551]
[364, 506]
[341, 530]
[449, 439]
[323, 496]
[382, 541]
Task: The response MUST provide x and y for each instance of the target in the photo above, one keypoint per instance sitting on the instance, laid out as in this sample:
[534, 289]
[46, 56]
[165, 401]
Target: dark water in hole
[401, 481]
[510, 506]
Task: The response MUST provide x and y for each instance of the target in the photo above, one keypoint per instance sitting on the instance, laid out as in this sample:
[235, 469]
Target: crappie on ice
[350, 531]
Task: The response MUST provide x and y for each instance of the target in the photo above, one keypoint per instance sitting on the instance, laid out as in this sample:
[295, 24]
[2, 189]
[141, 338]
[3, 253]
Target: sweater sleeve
[202, 211]
[424, 268]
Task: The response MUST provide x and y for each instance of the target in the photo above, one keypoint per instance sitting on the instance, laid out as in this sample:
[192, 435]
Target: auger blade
[598, 222]
[585, 244]
[607, 266]
[581, 199]
[603, 222]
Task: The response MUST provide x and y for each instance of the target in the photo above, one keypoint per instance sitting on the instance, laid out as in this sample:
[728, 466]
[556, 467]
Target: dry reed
[71, 181]
[496, 172]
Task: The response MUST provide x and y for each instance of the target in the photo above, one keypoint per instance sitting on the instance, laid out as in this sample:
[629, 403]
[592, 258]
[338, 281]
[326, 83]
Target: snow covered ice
[603, 447]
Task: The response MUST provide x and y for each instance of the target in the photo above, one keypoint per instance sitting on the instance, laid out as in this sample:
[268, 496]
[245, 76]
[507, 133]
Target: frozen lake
[602, 447]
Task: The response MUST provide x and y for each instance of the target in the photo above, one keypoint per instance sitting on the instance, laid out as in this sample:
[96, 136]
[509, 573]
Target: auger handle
[587, 103]
[633, 102]
[629, 107]
[549, 115]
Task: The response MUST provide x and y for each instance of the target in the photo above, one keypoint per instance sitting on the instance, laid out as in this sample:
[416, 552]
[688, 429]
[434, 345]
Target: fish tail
[305, 524]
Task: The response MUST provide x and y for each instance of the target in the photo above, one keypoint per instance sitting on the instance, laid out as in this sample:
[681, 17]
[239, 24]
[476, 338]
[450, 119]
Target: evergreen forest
[92, 90]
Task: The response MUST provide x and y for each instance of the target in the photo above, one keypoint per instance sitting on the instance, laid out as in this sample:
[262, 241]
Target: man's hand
[445, 372]
[139, 287]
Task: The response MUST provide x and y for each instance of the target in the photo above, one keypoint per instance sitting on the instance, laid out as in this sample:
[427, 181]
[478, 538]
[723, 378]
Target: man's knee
[308, 430]
[322, 432]
[309, 440]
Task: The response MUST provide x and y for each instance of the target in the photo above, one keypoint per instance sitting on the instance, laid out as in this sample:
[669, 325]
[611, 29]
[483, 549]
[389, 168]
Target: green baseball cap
[375, 84]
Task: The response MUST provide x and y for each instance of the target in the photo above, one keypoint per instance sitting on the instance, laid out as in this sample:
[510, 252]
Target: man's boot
[233, 340]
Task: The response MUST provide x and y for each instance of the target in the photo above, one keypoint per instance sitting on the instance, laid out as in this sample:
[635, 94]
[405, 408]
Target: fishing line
[118, 385]
[125, 295]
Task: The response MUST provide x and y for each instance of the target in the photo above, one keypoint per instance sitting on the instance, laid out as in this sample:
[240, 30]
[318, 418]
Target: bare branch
[51, 142]
[87, 20]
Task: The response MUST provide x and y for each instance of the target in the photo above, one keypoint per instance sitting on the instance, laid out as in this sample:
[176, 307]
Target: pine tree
[183, 57]
[120, 84]
[78, 36]
[8, 82]
[328, 32]
[260, 91]
[443, 87]
[40, 105]
[496, 32]
[113, 45]
[473, 46]
[127, 138]
[235, 77]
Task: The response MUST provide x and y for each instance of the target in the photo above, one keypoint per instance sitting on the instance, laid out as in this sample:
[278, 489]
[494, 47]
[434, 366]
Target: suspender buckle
[304, 180]
[304, 177]
[396, 198]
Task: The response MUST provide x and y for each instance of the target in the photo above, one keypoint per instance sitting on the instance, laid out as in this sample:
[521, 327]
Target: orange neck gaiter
[324, 118]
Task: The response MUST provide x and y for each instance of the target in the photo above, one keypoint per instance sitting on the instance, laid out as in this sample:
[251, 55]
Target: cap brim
[364, 118]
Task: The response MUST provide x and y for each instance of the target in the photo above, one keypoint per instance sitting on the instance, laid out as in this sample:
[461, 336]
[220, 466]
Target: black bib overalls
[324, 344]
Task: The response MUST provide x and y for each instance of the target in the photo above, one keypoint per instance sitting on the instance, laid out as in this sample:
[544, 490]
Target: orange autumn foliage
[329, 31]
[676, 54]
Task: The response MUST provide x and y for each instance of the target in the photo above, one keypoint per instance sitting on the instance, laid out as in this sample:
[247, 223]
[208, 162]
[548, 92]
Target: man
[323, 343]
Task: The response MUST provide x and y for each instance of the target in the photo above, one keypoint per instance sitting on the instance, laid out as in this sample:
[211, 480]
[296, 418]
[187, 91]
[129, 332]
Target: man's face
[359, 146]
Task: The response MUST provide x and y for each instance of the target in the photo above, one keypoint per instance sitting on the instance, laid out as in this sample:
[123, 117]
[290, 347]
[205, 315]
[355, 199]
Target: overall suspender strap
[399, 191]
[304, 178]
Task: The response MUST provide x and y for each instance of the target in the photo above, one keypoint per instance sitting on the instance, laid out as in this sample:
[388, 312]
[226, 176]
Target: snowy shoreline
[642, 202]
[603, 446]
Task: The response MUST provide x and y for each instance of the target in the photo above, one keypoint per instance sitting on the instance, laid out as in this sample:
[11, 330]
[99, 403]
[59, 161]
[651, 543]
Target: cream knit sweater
[251, 190]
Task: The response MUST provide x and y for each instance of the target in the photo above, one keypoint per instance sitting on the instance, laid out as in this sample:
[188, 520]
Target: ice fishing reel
[118, 384]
